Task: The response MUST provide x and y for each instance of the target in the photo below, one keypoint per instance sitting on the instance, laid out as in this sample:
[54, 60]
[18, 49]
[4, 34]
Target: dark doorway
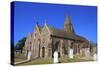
[43, 51]
[55, 47]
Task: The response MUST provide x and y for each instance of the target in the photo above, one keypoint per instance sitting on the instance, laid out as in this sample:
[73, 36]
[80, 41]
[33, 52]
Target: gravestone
[55, 59]
[29, 55]
[70, 53]
[87, 52]
[95, 57]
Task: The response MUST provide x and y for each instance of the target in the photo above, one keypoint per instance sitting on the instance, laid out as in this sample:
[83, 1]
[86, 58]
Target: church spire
[68, 27]
[67, 20]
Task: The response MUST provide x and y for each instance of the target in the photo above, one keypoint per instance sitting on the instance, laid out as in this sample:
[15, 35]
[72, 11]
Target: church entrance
[56, 47]
[43, 51]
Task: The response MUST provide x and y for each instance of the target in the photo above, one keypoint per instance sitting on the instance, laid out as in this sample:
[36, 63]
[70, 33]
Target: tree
[20, 44]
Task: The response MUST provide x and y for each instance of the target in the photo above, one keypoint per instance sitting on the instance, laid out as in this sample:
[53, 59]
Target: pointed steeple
[67, 20]
[68, 27]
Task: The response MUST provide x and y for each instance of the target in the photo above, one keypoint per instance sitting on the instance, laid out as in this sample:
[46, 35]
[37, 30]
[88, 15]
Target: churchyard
[76, 58]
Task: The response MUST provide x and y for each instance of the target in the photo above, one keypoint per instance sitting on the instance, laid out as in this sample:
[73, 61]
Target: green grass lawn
[38, 61]
[18, 59]
[75, 59]
[50, 61]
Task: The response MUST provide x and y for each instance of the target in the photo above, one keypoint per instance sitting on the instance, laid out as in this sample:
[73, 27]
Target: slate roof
[63, 34]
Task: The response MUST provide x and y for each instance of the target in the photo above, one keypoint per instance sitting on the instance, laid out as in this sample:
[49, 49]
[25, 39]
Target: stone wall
[42, 44]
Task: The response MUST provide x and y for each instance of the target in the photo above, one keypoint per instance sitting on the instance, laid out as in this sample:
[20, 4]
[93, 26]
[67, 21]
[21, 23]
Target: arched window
[43, 51]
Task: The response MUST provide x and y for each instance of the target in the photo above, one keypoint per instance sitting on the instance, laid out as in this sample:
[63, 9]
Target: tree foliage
[20, 44]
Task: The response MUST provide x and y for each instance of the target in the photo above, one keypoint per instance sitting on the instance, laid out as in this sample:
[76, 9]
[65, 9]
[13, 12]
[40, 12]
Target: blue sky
[26, 14]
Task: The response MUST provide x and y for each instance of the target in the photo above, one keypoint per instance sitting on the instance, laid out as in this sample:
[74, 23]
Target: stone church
[45, 40]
